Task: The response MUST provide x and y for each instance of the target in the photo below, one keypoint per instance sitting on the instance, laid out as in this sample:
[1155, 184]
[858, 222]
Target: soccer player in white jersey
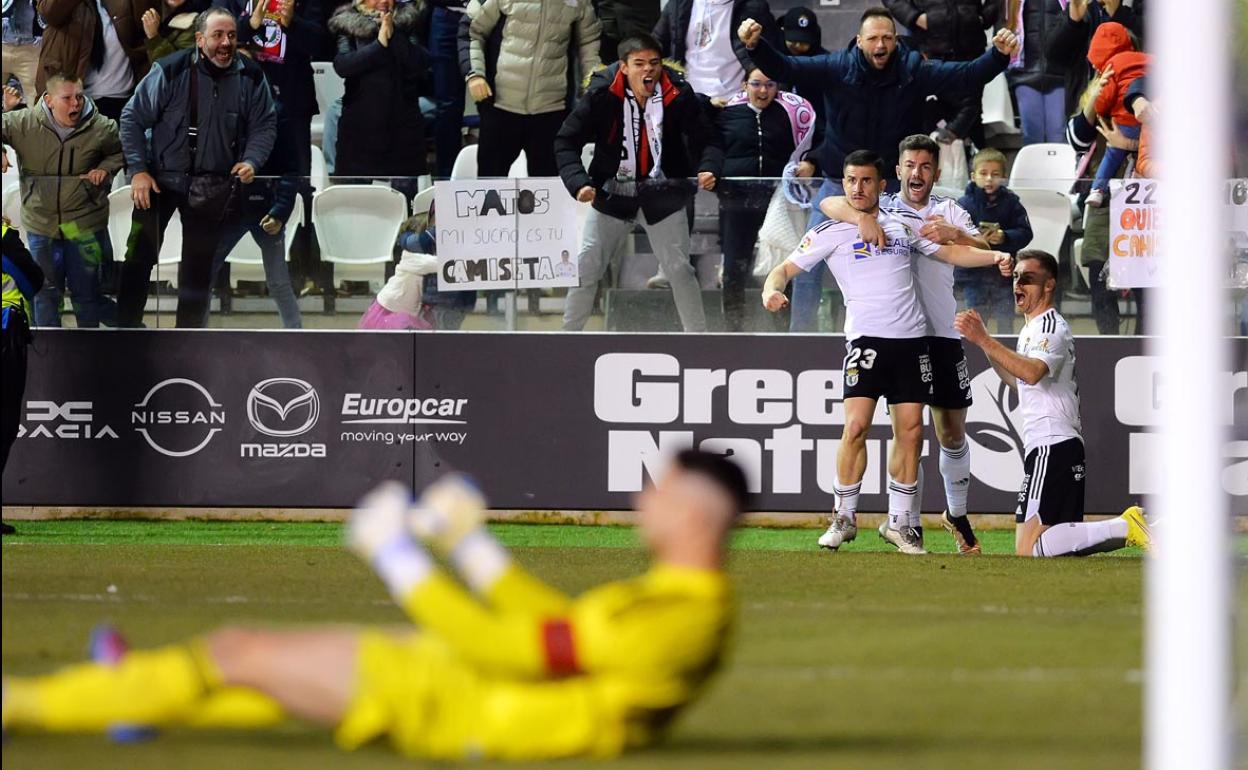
[940, 220]
[1042, 370]
[886, 340]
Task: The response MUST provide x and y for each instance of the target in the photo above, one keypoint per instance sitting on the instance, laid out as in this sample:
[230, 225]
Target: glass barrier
[524, 255]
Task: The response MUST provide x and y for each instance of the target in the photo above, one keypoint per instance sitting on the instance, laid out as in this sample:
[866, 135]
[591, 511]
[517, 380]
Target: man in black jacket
[714, 58]
[195, 174]
[873, 94]
[649, 135]
[950, 30]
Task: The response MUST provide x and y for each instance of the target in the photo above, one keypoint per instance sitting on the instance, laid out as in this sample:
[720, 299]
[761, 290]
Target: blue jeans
[74, 263]
[329, 135]
[1112, 159]
[448, 88]
[1043, 114]
[808, 286]
[276, 271]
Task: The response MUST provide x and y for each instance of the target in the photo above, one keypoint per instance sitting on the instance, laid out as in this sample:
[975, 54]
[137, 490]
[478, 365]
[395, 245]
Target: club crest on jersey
[851, 376]
[861, 250]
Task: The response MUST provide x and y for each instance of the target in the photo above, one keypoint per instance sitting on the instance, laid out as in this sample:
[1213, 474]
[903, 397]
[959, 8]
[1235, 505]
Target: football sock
[146, 687]
[847, 499]
[402, 565]
[1083, 538]
[915, 519]
[901, 501]
[955, 470]
[480, 560]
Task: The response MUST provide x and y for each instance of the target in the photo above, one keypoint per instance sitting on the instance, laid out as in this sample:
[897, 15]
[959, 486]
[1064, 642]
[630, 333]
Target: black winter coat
[381, 132]
[672, 31]
[690, 146]
[955, 28]
[869, 109]
[759, 144]
[1041, 20]
[1007, 211]
[307, 40]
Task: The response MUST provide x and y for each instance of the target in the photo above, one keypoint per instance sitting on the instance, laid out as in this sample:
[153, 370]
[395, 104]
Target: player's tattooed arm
[1009, 365]
[837, 207]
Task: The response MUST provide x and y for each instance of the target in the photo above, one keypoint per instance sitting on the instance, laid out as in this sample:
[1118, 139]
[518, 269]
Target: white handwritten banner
[1134, 220]
[506, 234]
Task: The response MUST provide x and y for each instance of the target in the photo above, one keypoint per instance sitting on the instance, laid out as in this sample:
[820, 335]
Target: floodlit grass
[860, 659]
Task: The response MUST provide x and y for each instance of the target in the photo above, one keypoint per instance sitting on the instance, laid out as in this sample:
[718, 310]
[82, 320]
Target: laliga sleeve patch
[559, 647]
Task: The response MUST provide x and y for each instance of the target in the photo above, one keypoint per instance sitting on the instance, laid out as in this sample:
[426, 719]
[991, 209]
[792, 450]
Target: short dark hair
[1046, 260]
[638, 42]
[919, 143]
[719, 469]
[876, 11]
[61, 77]
[865, 158]
[201, 21]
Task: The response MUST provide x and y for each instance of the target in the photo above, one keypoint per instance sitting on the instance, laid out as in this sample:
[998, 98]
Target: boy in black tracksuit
[637, 175]
[1003, 221]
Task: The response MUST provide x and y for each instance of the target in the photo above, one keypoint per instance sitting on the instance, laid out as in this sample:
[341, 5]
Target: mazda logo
[271, 403]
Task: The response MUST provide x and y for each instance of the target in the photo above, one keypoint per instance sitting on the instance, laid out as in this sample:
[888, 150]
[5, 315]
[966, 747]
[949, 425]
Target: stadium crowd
[97, 88]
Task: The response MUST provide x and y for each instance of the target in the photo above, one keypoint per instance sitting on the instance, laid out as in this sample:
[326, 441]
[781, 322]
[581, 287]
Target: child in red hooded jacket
[1113, 51]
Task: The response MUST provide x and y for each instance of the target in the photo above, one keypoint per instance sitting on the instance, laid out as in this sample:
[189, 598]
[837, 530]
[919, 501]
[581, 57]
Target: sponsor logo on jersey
[861, 250]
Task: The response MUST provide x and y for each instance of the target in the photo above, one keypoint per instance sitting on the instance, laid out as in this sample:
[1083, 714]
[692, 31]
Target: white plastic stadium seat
[465, 166]
[11, 190]
[246, 261]
[996, 108]
[329, 87]
[120, 214]
[520, 168]
[423, 201]
[320, 176]
[1049, 212]
[12, 193]
[357, 226]
[1044, 167]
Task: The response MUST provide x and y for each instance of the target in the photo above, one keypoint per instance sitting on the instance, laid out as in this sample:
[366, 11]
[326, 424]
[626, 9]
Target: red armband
[559, 648]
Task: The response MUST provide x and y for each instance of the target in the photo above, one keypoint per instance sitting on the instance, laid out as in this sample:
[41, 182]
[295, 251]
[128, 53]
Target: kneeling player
[519, 672]
[1042, 371]
[887, 350]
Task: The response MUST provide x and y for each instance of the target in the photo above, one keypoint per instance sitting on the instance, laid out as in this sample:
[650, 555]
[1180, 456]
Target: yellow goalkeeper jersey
[532, 674]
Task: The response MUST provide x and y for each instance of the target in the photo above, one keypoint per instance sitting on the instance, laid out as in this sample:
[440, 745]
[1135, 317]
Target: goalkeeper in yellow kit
[505, 667]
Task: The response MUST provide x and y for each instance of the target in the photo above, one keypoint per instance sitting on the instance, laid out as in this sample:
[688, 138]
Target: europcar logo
[283, 407]
[178, 417]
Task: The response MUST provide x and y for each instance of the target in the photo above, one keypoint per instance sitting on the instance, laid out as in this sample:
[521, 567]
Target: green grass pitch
[860, 659]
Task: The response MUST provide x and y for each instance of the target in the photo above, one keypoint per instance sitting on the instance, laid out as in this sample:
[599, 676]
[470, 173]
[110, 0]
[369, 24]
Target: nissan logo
[272, 402]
